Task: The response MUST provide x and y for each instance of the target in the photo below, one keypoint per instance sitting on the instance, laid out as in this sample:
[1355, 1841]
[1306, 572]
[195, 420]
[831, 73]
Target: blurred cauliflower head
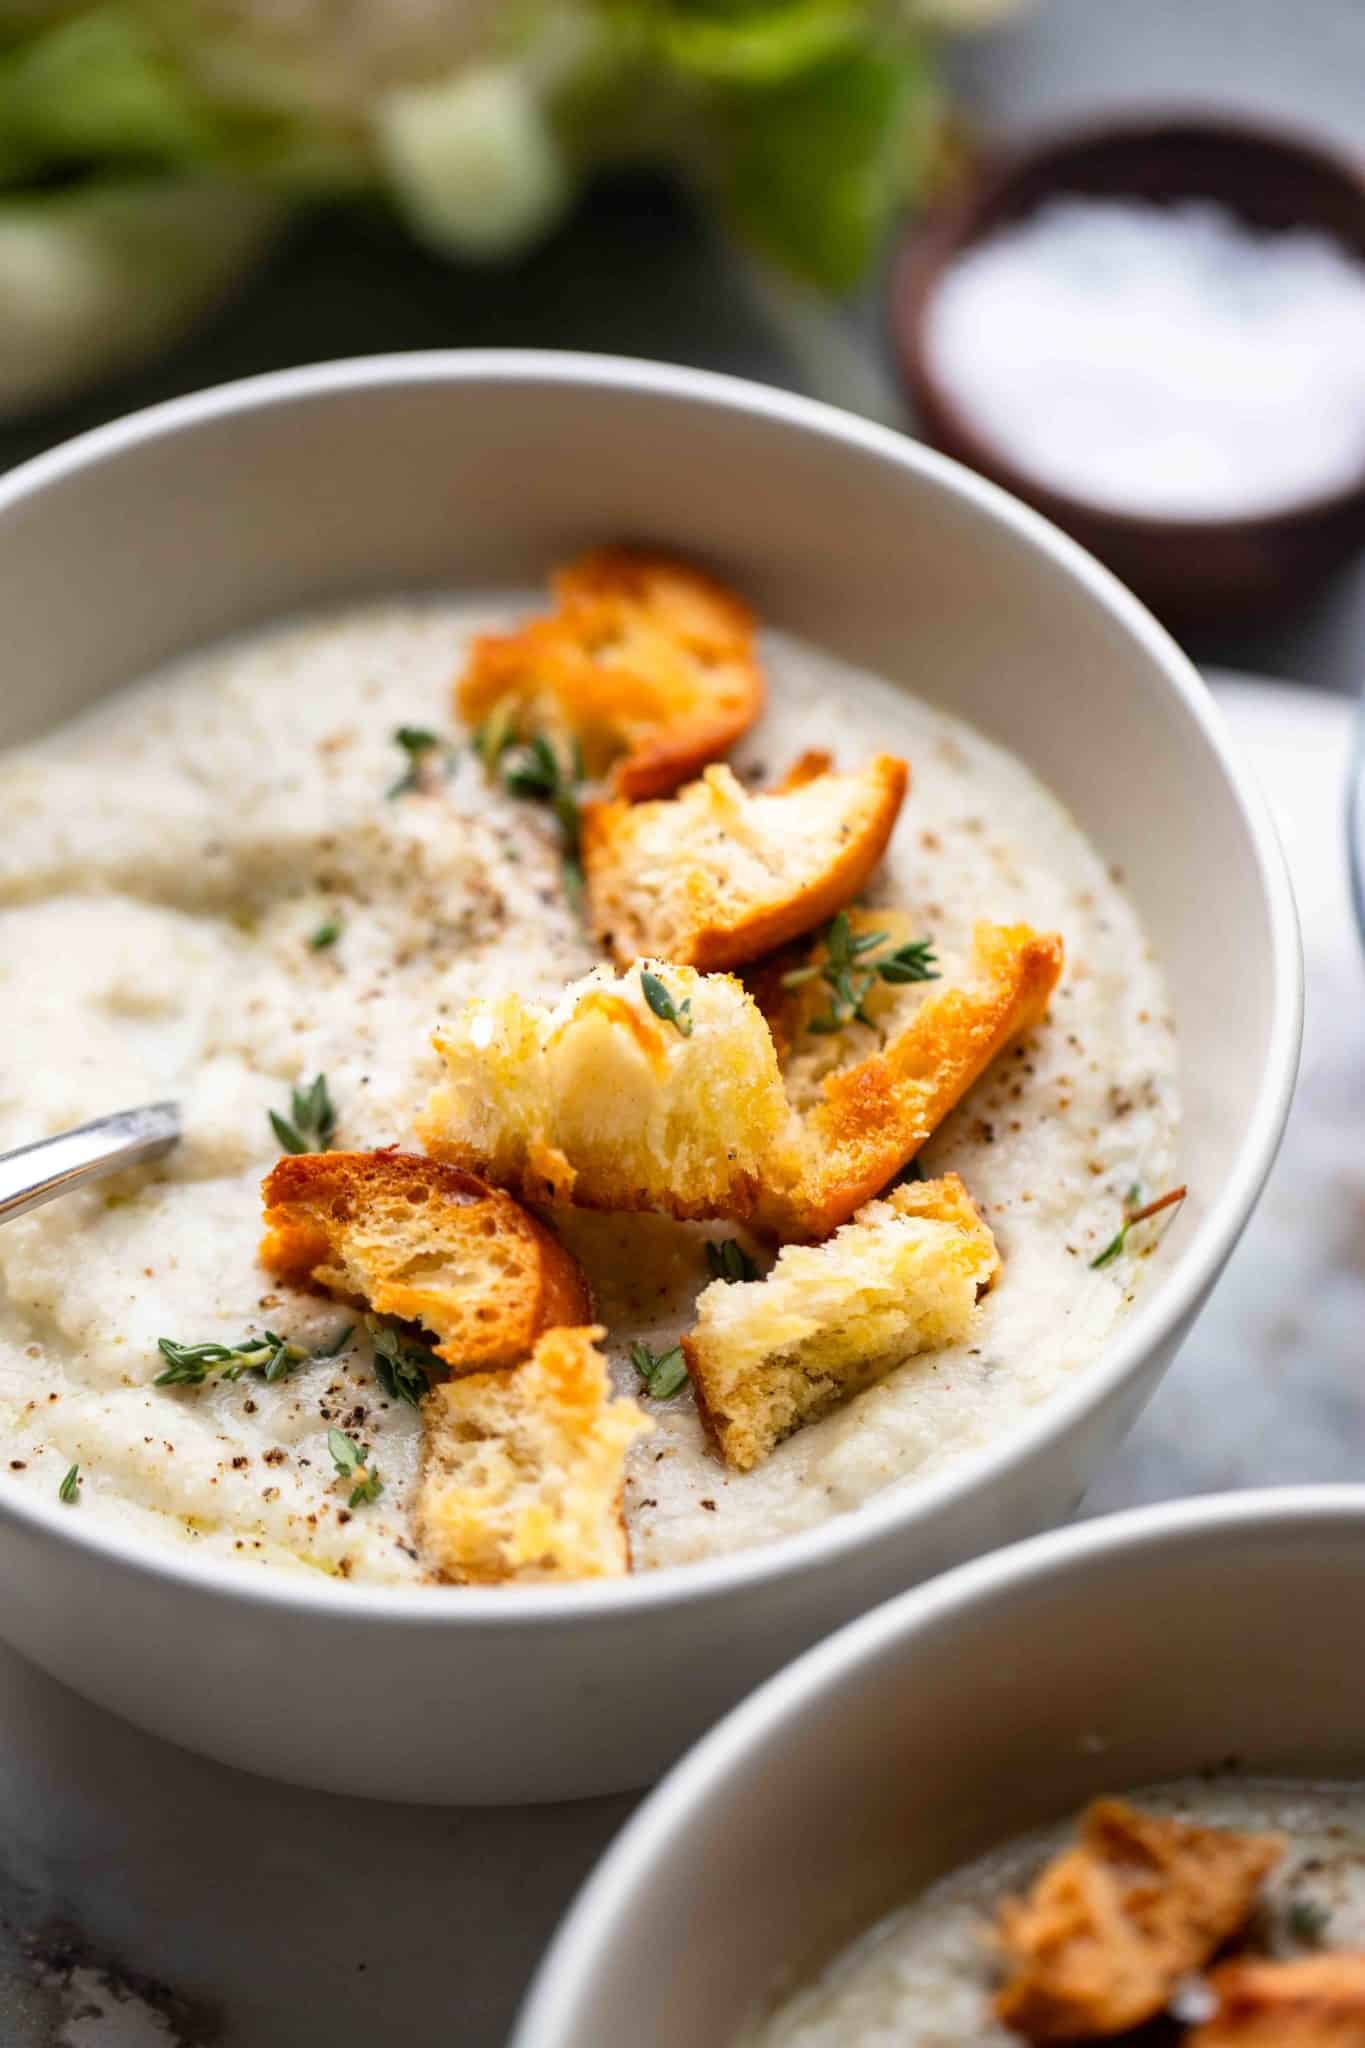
[328, 57]
[801, 120]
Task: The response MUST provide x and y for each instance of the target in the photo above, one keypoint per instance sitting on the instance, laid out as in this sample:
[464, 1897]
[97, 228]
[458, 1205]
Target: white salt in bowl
[1144, 1646]
[1191, 569]
[200, 517]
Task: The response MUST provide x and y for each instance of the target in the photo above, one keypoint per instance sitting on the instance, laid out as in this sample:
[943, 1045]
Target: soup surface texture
[210, 889]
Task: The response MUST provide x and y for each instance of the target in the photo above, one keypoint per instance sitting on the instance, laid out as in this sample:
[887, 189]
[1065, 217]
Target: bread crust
[602, 1104]
[523, 1470]
[1114, 1923]
[648, 663]
[873, 1116]
[413, 1237]
[663, 877]
[1310, 2002]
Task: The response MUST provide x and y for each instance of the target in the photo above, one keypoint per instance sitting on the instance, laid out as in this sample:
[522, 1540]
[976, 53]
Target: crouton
[767, 1356]
[856, 1126]
[1112, 1925]
[1312, 2002]
[648, 665]
[716, 876]
[523, 1469]
[610, 1101]
[410, 1237]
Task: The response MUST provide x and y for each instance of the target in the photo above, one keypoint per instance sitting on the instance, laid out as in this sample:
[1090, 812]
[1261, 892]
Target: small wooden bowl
[1188, 570]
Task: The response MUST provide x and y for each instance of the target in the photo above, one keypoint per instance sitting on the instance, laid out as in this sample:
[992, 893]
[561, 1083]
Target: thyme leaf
[311, 1124]
[67, 1491]
[337, 1344]
[1307, 1921]
[497, 733]
[419, 743]
[662, 1004]
[663, 1373]
[1135, 1211]
[729, 1261]
[346, 1456]
[326, 935]
[350, 1462]
[915, 961]
[403, 1366]
[850, 973]
[532, 769]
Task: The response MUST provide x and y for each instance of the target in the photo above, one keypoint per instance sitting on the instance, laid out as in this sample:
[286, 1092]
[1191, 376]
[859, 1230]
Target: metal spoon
[35, 1173]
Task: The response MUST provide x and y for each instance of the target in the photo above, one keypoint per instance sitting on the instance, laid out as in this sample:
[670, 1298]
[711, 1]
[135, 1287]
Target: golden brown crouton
[716, 876]
[648, 664]
[606, 1102]
[857, 1126]
[767, 1356]
[1112, 1925]
[609, 1103]
[523, 1469]
[413, 1238]
[1313, 2002]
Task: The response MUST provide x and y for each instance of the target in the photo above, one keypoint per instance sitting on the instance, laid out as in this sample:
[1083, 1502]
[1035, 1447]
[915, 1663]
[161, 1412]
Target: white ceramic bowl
[215, 511]
[1143, 1646]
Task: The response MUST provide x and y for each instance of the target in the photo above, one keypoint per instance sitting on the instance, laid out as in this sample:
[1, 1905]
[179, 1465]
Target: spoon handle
[35, 1173]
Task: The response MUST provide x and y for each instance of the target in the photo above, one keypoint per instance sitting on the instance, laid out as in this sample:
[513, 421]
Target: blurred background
[1154, 327]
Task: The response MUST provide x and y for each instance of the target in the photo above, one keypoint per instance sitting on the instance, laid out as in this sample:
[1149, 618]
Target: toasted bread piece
[855, 1127]
[522, 1470]
[1112, 1925]
[411, 1237]
[648, 664]
[767, 1356]
[716, 876]
[1312, 2002]
[603, 1102]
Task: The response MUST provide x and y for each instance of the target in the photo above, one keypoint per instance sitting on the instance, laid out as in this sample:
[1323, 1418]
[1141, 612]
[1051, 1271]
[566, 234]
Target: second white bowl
[1144, 1646]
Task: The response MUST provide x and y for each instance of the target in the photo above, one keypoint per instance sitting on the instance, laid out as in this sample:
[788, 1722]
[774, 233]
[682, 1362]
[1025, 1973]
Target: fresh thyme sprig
[729, 1261]
[850, 973]
[188, 1365]
[532, 769]
[419, 743]
[314, 1120]
[662, 1004]
[272, 1356]
[350, 1462]
[68, 1492]
[662, 1372]
[403, 1366]
[1135, 1211]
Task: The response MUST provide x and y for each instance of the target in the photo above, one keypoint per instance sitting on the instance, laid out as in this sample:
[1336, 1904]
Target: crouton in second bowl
[201, 518]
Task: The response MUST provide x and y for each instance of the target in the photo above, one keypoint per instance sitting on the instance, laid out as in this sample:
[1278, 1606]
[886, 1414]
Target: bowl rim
[1151, 1321]
[927, 250]
[601, 1908]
